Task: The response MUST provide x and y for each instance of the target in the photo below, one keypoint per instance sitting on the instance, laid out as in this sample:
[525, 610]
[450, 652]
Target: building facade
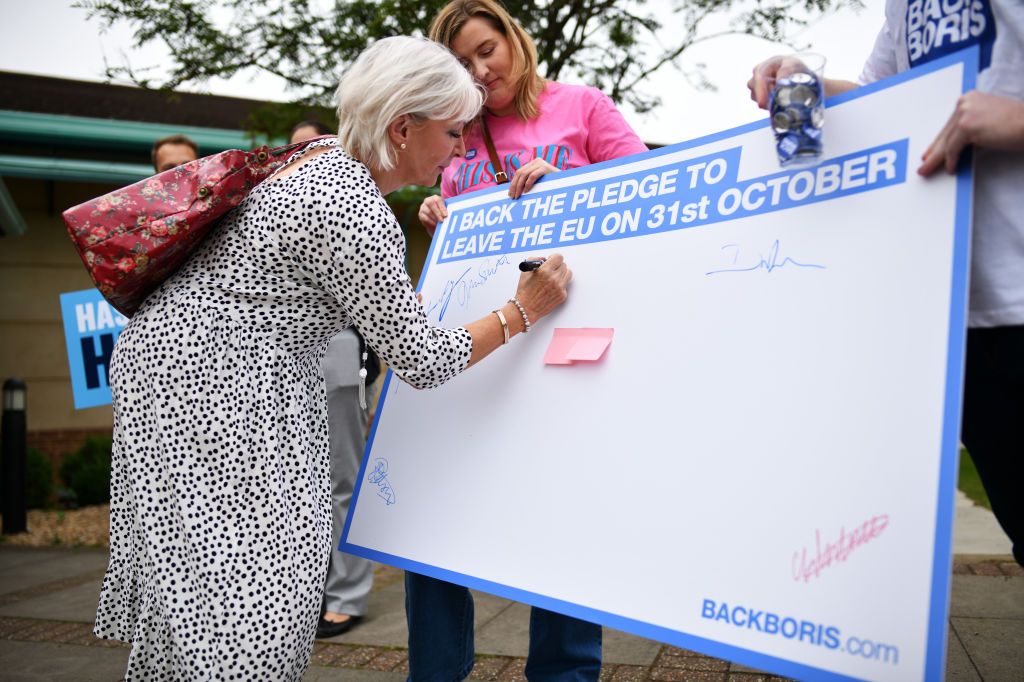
[63, 142]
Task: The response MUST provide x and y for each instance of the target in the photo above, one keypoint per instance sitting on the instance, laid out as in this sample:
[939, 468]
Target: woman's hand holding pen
[539, 292]
[545, 288]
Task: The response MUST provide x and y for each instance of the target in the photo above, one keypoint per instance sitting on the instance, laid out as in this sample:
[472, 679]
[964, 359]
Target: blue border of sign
[942, 557]
[935, 655]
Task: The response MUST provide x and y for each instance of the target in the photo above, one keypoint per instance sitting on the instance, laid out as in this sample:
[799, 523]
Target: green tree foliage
[612, 44]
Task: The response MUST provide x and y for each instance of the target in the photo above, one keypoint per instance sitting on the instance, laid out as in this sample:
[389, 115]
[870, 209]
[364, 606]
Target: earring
[402, 146]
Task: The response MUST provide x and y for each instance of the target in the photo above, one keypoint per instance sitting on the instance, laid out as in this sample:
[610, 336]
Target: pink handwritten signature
[805, 568]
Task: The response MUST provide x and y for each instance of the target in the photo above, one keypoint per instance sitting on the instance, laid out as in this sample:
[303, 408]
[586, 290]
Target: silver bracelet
[504, 323]
[522, 311]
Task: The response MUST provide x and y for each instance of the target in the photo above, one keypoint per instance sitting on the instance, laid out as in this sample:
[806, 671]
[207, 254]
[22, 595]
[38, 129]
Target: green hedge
[970, 482]
[38, 479]
[87, 471]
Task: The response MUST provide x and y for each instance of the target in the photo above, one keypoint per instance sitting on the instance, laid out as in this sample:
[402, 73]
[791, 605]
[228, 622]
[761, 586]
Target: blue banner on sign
[696, 192]
[91, 327]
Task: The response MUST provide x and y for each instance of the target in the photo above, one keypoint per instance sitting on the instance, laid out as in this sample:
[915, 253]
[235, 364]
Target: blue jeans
[440, 617]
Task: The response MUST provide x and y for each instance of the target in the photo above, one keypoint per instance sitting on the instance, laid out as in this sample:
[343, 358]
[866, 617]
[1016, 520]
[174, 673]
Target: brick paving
[671, 664]
[991, 568]
[48, 588]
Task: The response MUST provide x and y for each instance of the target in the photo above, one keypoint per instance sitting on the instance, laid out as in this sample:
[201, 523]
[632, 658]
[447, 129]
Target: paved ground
[48, 600]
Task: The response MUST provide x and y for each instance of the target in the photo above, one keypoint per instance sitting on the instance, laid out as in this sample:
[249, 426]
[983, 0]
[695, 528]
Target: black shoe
[325, 629]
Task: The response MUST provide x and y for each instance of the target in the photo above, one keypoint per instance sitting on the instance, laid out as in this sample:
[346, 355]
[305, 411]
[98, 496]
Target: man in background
[172, 151]
[307, 130]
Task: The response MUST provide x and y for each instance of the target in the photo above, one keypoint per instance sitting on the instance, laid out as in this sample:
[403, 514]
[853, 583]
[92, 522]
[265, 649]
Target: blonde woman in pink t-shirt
[537, 126]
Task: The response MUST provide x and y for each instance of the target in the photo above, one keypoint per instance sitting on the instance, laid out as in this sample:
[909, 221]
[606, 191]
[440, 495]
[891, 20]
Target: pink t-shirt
[577, 126]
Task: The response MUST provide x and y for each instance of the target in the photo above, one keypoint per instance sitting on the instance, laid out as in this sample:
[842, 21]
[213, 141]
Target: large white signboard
[761, 466]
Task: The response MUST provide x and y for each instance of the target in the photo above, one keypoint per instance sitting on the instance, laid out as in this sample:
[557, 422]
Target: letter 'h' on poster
[91, 328]
[747, 441]
[577, 345]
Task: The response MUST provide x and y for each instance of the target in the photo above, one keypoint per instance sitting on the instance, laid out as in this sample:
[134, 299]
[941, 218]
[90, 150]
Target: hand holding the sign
[526, 177]
[979, 119]
[432, 211]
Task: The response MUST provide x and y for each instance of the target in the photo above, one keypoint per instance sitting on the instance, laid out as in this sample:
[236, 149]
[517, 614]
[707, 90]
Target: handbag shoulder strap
[277, 159]
[500, 176]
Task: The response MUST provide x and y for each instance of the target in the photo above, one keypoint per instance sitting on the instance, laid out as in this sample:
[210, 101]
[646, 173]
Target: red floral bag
[134, 238]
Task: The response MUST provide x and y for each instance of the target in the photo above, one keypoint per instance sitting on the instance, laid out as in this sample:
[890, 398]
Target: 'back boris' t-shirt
[936, 28]
[919, 31]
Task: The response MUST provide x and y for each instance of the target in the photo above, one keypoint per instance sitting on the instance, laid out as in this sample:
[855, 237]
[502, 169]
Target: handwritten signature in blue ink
[768, 264]
[463, 286]
[379, 477]
[446, 296]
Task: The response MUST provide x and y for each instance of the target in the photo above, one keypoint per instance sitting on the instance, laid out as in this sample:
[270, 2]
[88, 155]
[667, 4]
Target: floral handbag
[134, 238]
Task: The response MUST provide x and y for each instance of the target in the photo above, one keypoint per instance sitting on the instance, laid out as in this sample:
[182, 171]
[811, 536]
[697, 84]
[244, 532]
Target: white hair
[395, 77]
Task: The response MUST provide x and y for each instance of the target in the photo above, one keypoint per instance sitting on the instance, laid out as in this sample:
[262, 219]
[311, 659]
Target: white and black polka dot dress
[220, 524]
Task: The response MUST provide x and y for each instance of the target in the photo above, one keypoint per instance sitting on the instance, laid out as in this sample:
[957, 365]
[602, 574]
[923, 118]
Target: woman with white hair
[220, 495]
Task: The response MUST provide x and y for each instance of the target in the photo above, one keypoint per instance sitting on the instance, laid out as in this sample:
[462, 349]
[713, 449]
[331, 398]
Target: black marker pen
[532, 264]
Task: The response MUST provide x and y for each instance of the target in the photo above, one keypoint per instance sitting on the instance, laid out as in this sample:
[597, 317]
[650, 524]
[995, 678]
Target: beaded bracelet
[522, 311]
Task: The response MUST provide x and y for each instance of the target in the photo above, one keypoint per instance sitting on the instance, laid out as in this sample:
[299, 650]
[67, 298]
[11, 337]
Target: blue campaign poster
[91, 327]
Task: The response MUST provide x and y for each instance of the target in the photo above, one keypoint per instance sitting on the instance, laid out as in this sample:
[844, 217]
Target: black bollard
[14, 455]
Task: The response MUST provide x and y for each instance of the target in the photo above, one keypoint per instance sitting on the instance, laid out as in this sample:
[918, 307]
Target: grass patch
[970, 482]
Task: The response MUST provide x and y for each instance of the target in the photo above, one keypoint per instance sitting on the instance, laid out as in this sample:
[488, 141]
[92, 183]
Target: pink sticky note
[578, 345]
